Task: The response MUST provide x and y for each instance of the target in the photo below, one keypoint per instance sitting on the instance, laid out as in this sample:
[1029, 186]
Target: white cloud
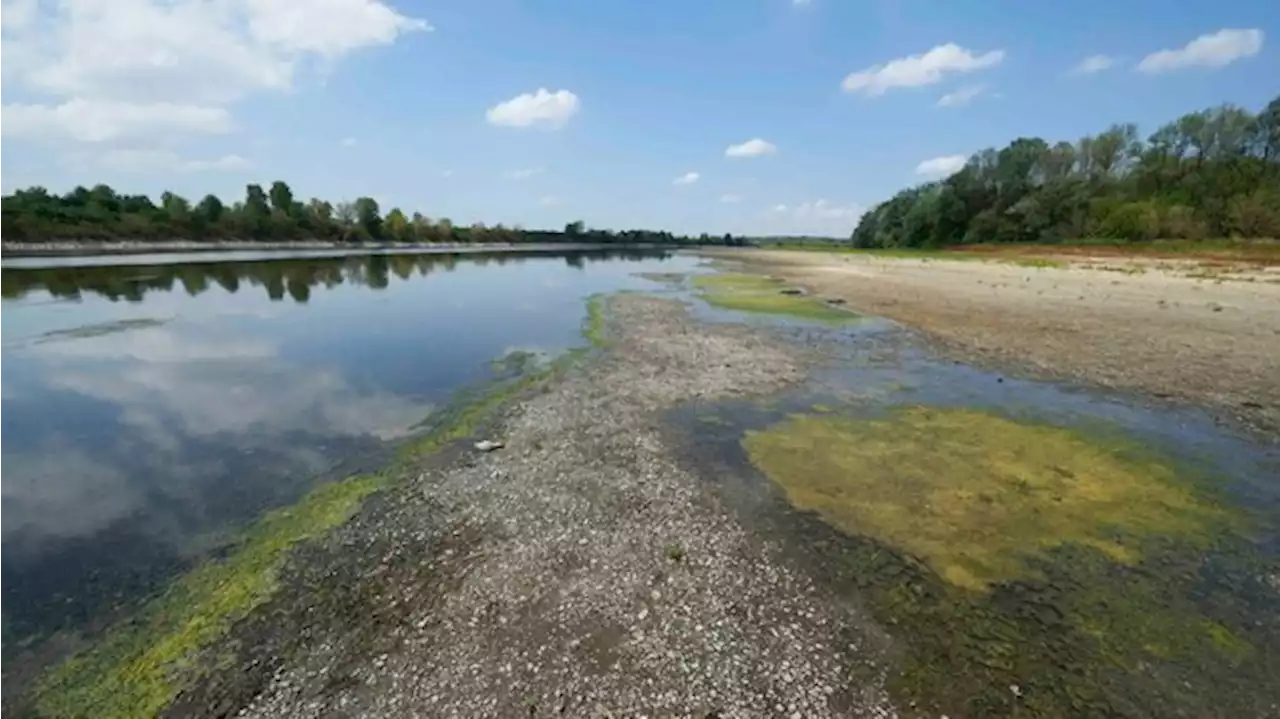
[95, 121]
[1093, 64]
[348, 142]
[941, 166]
[226, 162]
[919, 70]
[820, 217]
[550, 200]
[18, 13]
[754, 147]
[961, 96]
[821, 209]
[129, 69]
[524, 173]
[1211, 50]
[687, 178]
[143, 160]
[542, 108]
[730, 199]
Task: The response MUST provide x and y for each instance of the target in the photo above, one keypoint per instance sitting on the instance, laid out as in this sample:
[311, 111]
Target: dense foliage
[273, 215]
[1214, 173]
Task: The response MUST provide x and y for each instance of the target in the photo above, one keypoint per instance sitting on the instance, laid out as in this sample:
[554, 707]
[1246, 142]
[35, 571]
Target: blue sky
[403, 99]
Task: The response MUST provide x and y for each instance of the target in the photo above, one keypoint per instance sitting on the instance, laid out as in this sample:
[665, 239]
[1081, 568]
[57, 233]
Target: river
[151, 407]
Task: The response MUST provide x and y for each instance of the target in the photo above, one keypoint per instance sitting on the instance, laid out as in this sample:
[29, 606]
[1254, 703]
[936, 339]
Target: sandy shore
[1159, 330]
[580, 570]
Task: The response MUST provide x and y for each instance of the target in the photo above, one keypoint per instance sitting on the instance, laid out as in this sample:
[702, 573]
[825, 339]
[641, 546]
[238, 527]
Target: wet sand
[1160, 329]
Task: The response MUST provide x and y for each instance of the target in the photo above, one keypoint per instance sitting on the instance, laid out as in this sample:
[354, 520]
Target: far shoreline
[24, 250]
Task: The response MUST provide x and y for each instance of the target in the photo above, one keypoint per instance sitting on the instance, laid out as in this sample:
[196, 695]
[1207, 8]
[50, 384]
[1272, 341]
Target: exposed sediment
[581, 569]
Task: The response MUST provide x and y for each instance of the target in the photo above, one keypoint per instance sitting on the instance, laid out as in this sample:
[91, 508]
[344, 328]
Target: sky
[744, 116]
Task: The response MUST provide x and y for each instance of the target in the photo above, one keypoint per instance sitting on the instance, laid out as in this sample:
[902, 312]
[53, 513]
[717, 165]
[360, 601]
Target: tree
[397, 226]
[210, 210]
[281, 198]
[368, 219]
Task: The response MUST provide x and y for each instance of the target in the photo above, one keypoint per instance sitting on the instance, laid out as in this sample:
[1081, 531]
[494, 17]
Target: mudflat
[1165, 329]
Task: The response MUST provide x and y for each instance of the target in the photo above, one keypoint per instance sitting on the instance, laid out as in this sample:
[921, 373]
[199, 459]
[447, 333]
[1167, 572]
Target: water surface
[150, 409]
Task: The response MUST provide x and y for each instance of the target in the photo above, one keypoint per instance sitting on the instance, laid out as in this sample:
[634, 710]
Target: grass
[137, 667]
[1082, 569]
[763, 295]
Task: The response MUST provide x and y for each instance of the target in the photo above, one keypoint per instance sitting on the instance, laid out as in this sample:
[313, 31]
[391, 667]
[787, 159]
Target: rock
[792, 291]
[835, 300]
[488, 445]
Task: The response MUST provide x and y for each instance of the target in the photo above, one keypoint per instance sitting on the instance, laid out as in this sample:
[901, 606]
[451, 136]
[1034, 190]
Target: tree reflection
[295, 277]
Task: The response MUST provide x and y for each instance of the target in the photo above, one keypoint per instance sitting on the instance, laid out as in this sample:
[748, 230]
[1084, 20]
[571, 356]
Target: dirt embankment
[579, 570]
[1159, 331]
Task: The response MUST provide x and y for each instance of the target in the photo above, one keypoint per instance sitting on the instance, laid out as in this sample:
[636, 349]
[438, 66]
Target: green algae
[764, 295]
[1104, 584]
[975, 495]
[139, 667]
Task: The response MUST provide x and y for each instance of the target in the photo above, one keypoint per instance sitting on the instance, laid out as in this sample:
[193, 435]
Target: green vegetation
[976, 496]
[102, 214]
[138, 667]
[1214, 173]
[753, 293]
[1031, 570]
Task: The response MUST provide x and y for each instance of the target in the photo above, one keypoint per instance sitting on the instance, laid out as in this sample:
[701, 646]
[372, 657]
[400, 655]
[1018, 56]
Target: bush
[1132, 221]
[1256, 214]
[1179, 222]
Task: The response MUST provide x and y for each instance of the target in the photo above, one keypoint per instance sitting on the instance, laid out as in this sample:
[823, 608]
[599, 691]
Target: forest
[270, 215]
[1208, 174]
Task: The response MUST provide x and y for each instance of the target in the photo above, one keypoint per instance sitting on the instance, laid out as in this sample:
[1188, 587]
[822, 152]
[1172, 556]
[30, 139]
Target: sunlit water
[151, 408]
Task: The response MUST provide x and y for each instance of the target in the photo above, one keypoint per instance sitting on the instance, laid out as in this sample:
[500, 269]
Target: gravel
[581, 570]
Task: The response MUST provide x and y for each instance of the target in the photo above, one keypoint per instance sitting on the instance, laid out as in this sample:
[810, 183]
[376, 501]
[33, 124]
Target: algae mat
[1034, 570]
[764, 295]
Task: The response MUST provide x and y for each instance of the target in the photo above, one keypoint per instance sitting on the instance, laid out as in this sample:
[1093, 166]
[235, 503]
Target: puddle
[1031, 548]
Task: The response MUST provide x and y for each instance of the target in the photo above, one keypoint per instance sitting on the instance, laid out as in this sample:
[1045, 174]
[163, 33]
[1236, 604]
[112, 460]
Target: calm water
[151, 408]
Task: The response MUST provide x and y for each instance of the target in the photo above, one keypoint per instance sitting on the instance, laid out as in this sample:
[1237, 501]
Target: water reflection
[139, 434]
[292, 277]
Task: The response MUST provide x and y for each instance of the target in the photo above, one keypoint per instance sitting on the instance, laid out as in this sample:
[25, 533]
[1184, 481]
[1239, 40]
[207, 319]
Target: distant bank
[71, 249]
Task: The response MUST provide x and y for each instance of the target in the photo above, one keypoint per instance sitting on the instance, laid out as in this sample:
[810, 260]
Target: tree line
[271, 215]
[1213, 173]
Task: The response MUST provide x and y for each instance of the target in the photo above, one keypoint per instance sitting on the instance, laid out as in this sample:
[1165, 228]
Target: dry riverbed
[1208, 340]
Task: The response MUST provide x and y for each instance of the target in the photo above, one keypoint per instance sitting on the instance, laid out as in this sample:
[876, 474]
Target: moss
[593, 328]
[137, 668]
[975, 495]
[763, 295]
[1084, 571]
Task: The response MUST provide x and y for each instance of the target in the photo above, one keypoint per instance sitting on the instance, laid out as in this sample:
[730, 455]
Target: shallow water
[150, 409]
[1090, 617]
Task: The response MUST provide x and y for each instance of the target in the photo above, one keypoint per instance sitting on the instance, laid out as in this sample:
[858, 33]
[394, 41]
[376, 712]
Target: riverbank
[1205, 338]
[317, 249]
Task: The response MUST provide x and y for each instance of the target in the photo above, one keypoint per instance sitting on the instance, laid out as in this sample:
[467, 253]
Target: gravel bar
[580, 570]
